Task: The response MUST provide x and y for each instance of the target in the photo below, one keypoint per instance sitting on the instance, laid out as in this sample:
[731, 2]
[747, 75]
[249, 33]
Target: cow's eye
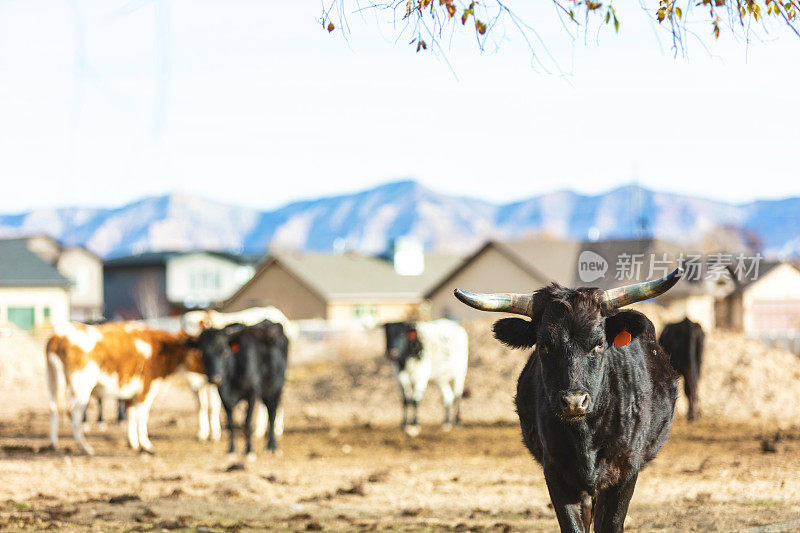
[599, 347]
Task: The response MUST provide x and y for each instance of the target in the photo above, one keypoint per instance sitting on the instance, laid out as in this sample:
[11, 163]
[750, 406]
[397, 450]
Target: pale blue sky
[250, 102]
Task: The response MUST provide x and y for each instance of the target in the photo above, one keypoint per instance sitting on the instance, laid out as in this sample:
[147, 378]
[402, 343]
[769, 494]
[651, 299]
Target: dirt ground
[710, 477]
[347, 466]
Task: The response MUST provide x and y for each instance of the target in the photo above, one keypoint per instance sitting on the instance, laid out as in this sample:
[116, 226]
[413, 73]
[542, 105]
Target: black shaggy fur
[590, 464]
[684, 342]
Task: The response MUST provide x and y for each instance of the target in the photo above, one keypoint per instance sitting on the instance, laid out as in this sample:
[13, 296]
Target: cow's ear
[632, 322]
[515, 332]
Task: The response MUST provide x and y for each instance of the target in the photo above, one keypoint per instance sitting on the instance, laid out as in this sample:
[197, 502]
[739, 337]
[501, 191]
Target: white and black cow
[424, 351]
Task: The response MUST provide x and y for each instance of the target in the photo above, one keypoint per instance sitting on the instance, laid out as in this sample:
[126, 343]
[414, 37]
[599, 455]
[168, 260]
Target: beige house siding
[275, 286]
[771, 305]
[85, 272]
[56, 299]
[699, 308]
[491, 271]
[370, 311]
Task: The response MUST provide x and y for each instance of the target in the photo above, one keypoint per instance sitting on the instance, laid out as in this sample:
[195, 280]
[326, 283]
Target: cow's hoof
[87, 450]
[412, 431]
[147, 450]
[201, 438]
[277, 452]
[447, 427]
[250, 457]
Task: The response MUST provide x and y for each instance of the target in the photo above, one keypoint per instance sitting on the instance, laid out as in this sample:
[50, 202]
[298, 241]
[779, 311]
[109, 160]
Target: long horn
[622, 296]
[502, 302]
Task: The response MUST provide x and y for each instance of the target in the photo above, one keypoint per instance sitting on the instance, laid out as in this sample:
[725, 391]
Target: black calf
[247, 363]
[684, 342]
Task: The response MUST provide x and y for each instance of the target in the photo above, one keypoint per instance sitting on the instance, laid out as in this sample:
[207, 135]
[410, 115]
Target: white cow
[208, 401]
[424, 351]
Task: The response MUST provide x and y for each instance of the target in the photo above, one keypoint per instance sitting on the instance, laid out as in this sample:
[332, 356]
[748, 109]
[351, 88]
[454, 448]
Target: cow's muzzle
[574, 405]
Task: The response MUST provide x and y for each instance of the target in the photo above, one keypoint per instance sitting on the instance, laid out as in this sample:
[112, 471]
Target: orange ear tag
[622, 338]
[235, 347]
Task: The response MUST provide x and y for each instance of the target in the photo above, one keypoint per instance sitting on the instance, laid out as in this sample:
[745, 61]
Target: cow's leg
[81, 384]
[78, 408]
[132, 411]
[612, 506]
[447, 398]
[691, 396]
[143, 415]
[259, 420]
[86, 414]
[248, 425]
[567, 503]
[231, 436]
[100, 410]
[406, 391]
[278, 421]
[214, 404]
[457, 406]
[203, 430]
[122, 415]
[273, 409]
[54, 371]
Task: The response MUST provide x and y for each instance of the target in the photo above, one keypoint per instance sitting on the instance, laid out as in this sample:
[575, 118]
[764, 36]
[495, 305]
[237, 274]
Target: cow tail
[55, 379]
[55, 373]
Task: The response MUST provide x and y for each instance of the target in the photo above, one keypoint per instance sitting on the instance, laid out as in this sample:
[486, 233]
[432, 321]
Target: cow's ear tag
[623, 338]
[412, 335]
[235, 347]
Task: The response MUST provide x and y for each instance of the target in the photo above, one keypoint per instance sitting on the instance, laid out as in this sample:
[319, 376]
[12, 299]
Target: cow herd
[595, 400]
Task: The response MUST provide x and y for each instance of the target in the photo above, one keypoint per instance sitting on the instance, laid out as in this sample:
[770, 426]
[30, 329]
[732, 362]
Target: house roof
[351, 276]
[557, 260]
[161, 258]
[764, 267]
[143, 259]
[20, 267]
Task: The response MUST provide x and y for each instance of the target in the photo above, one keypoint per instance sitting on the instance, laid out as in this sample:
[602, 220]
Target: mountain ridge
[370, 219]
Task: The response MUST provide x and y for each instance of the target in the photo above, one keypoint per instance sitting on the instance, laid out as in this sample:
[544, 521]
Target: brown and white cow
[125, 360]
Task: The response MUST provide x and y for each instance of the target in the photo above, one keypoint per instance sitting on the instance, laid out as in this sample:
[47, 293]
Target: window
[22, 317]
[365, 311]
[205, 279]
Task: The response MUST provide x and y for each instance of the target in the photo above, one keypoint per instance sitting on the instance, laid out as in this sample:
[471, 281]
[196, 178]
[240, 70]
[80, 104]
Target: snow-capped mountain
[370, 220]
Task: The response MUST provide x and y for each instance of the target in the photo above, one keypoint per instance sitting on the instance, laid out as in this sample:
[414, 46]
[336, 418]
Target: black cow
[247, 363]
[597, 396]
[684, 342]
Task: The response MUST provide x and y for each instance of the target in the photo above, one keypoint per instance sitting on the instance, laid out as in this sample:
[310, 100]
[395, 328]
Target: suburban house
[82, 268]
[33, 293]
[157, 284]
[765, 306]
[528, 264]
[345, 287]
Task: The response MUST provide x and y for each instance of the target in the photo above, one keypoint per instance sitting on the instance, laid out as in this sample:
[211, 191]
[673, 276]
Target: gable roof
[764, 268]
[556, 260]
[20, 267]
[161, 258]
[352, 276]
[143, 259]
